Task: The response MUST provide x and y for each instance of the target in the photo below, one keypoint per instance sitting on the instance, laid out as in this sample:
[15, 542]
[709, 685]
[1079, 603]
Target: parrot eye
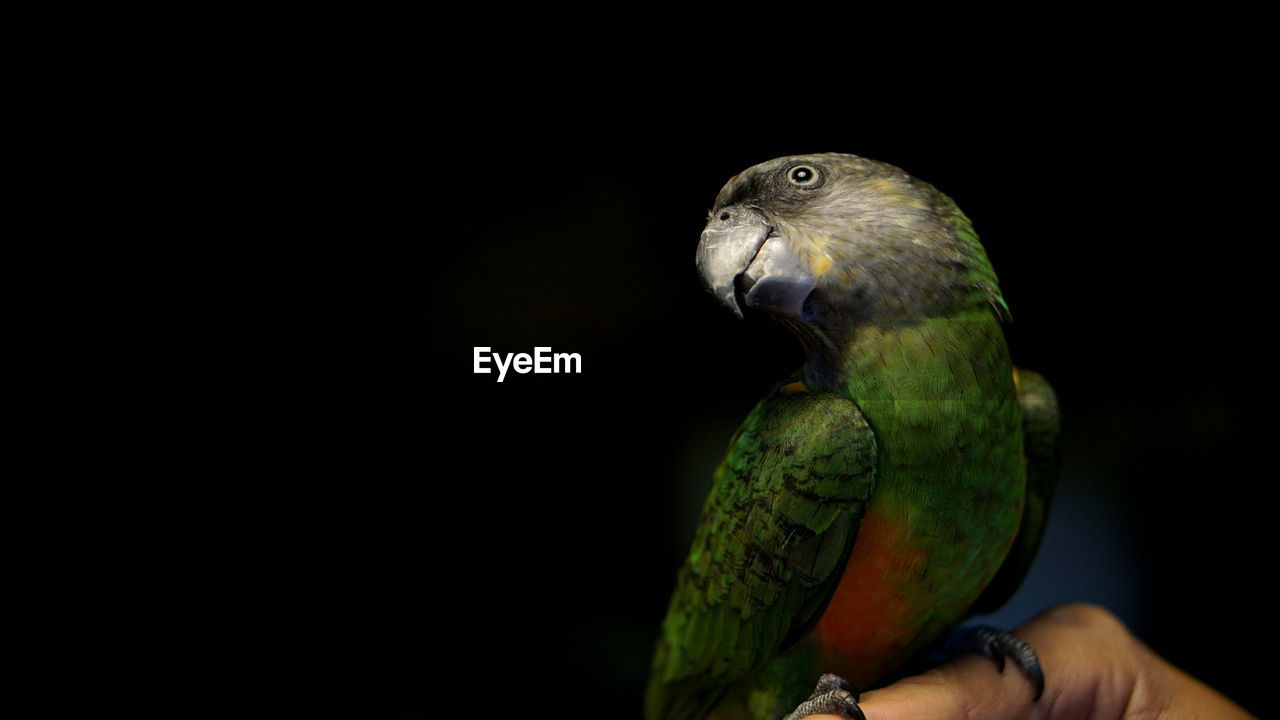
[803, 175]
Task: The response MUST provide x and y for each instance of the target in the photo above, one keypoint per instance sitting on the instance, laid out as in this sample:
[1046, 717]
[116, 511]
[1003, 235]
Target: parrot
[895, 484]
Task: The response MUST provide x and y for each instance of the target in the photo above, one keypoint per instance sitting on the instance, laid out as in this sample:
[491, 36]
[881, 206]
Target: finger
[1083, 651]
[966, 687]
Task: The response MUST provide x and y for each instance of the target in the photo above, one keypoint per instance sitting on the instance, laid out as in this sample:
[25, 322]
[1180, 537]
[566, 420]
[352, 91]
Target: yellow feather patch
[898, 194]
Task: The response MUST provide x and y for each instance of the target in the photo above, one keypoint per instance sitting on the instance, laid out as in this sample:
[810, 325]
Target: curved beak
[729, 244]
[739, 243]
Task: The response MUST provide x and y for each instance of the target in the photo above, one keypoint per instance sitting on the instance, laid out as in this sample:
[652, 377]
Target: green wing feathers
[1043, 453]
[776, 530]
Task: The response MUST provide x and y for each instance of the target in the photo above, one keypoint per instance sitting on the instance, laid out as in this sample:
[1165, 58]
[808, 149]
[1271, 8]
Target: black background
[506, 546]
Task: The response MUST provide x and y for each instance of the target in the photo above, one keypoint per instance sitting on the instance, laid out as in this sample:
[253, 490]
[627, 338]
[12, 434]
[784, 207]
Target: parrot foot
[995, 644]
[833, 695]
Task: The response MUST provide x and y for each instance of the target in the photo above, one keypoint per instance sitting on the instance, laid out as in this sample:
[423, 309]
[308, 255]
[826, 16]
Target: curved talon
[830, 681]
[1037, 676]
[996, 644]
[833, 695]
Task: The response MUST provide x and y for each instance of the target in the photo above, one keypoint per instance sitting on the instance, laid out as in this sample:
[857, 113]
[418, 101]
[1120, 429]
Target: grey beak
[738, 241]
[729, 243]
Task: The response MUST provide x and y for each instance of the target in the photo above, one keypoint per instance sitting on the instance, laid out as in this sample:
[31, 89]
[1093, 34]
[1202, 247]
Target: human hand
[1094, 668]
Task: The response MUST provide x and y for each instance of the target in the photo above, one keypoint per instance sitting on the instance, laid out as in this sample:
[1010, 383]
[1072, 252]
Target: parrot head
[831, 241]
